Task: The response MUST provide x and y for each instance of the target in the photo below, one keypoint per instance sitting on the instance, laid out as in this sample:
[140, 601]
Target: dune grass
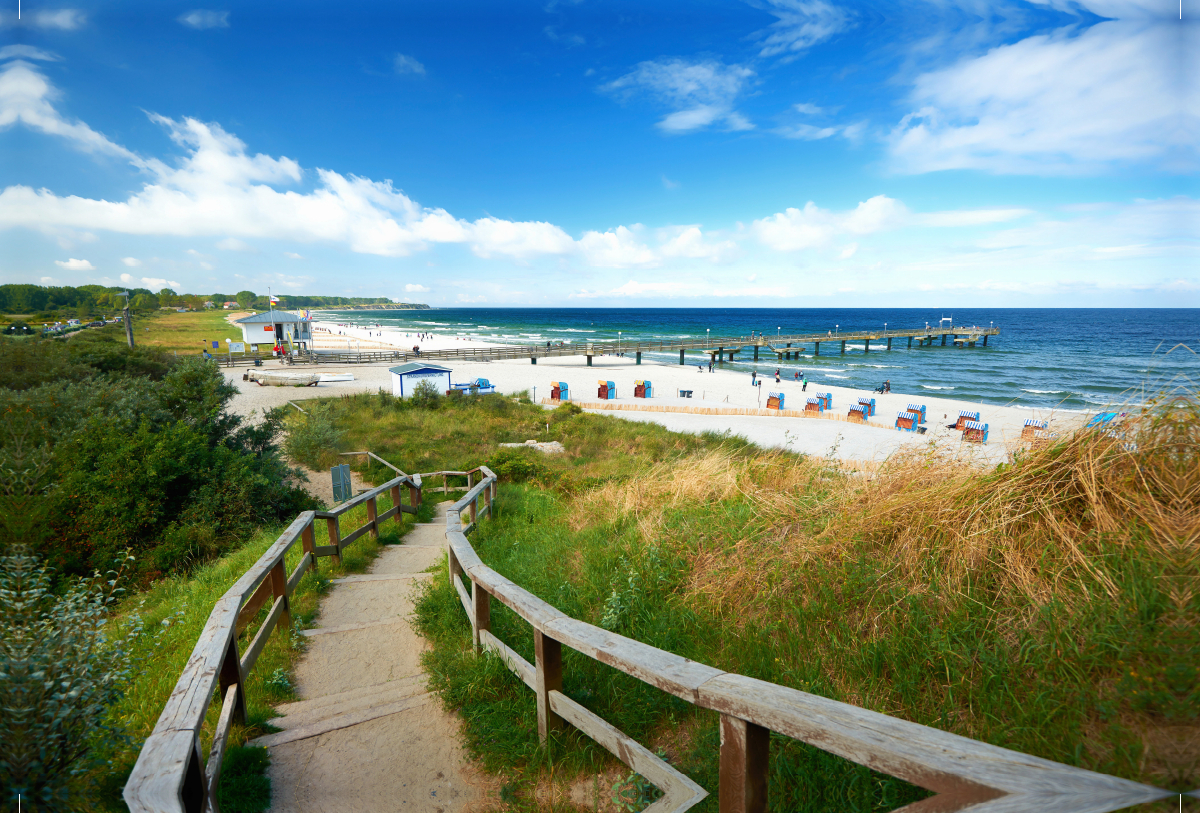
[1049, 605]
[188, 333]
[161, 625]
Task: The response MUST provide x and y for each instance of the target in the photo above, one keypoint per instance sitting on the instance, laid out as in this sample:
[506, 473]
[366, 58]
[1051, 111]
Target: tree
[167, 297]
[144, 302]
[245, 298]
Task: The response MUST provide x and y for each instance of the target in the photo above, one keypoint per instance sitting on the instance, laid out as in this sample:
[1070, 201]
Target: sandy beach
[721, 389]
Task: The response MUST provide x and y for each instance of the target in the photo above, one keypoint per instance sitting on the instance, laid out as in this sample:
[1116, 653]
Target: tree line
[85, 300]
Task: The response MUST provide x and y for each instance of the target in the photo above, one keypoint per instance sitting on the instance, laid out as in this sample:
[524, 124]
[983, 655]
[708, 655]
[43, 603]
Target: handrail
[964, 773]
[170, 775]
[371, 455]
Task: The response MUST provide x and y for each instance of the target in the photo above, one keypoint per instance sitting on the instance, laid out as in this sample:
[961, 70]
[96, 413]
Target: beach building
[406, 377]
[273, 328]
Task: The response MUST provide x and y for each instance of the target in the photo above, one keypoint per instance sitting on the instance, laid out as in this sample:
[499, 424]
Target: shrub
[514, 464]
[565, 410]
[426, 396]
[312, 439]
[58, 677]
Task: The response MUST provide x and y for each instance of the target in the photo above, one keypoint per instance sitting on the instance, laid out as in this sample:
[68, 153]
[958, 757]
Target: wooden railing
[170, 775]
[963, 773]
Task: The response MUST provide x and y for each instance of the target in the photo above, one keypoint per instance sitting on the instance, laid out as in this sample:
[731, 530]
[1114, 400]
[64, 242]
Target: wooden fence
[963, 773]
[171, 776]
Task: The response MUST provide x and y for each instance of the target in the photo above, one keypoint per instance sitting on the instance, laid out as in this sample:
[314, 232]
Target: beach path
[367, 735]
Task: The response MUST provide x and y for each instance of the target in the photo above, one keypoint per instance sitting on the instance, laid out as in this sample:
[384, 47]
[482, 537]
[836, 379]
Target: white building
[406, 377]
[272, 328]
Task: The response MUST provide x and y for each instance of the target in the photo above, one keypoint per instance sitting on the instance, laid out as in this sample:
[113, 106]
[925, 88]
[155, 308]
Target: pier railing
[777, 345]
[171, 775]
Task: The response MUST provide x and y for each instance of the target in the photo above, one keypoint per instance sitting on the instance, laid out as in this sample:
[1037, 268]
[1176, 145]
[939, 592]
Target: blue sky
[799, 153]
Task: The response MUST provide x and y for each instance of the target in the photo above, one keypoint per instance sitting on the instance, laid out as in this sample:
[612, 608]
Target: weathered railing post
[481, 610]
[472, 508]
[231, 675]
[278, 579]
[309, 546]
[548, 654]
[487, 498]
[373, 517]
[335, 538]
[396, 502]
[743, 771]
[414, 496]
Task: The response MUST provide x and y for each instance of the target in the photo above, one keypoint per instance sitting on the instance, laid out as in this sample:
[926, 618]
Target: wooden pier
[718, 349]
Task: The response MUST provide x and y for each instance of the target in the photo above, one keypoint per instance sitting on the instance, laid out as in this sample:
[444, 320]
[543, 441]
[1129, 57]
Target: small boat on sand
[282, 379]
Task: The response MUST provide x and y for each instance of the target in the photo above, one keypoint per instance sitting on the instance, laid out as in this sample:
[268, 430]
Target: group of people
[755, 382]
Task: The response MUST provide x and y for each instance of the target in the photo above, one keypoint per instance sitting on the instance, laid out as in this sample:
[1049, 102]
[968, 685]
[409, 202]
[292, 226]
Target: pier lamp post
[618, 342]
[777, 333]
[707, 336]
[885, 328]
[836, 328]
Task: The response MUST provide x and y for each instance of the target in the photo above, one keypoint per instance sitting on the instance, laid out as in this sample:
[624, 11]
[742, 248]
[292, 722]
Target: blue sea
[1080, 359]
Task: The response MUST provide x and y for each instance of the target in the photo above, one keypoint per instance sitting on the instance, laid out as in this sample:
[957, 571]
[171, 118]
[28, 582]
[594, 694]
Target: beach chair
[649, 391]
[1100, 420]
[602, 392]
[555, 391]
[775, 400]
[639, 389]
[826, 399]
[1032, 428]
[858, 413]
[975, 432]
[964, 417]
[816, 405]
[907, 421]
[919, 409]
[482, 385]
[608, 390]
[870, 403]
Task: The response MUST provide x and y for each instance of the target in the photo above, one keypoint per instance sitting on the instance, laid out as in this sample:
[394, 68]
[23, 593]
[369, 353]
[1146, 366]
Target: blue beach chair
[907, 421]
[870, 403]
[975, 432]
[919, 409]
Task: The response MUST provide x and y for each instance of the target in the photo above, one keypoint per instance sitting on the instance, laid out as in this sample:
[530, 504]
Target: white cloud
[689, 242]
[234, 244]
[291, 255]
[814, 227]
[802, 24]
[402, 64]
[969, 217]
[202, 19]
[27, 52]
[490, 235]
[703, 91]
[49, 281]
[1064, 102]
[26, 97]
[156, 284]
[75, 265]
[808, 109]
[64, 19]
[848, 251]
[618, 248]
[127, 279]
[132, 262]
[411, 288]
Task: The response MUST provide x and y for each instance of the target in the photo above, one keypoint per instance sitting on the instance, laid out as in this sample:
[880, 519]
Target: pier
[718, 349]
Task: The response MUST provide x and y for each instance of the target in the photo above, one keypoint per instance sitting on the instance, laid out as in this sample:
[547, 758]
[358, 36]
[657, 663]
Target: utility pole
[127, 318]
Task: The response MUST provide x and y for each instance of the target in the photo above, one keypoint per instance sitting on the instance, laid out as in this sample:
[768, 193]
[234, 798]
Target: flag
[274, 300]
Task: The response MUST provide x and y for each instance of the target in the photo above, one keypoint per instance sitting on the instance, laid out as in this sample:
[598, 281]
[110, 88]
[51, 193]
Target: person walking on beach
[804, 384]
[754, 378]
[710, 366]
[776, 375]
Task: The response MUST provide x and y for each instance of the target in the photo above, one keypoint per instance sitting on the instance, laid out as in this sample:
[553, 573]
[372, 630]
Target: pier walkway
[717, 348]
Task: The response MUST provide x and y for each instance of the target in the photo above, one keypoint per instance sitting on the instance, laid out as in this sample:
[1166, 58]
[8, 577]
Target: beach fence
[172, 774]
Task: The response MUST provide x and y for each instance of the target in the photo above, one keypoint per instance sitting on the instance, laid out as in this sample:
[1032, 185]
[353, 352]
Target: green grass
[1016, 606]
[161, 625]
[185, 333]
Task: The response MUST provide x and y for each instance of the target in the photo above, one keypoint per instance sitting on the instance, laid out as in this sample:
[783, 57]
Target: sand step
[381, 577]
[357, 693]
[351, 627]
[351, 718]
[308, 713]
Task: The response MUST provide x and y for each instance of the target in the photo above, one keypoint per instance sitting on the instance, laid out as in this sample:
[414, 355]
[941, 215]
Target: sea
[1065, 358]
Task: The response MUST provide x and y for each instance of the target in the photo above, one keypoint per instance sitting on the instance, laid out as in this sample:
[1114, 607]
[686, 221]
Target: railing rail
[171, 775]
[963, 773]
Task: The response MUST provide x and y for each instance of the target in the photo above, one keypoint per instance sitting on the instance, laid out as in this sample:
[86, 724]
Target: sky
[570, 153]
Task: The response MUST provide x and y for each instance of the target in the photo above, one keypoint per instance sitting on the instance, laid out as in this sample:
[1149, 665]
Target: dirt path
[368, 736]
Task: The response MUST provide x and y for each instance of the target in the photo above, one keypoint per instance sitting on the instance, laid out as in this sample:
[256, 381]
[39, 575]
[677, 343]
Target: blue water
[1070, 358]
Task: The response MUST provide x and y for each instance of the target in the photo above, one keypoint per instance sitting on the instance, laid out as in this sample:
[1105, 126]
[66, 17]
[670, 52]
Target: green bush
[516, 465]
[426, 396]
[58, 677]
[312, 439]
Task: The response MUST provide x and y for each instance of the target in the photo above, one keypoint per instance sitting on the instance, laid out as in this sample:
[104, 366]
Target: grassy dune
[1048, 605]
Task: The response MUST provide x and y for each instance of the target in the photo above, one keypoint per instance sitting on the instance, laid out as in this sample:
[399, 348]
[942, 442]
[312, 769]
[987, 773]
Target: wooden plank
[547, 678]
[464, 595]
[743, 767]
[298, 574]
[367, 495]
[156, 782]
[373, 517]
[388, 514]
[680, 792]
[664, 670]
[933, 759]
[521, 667]
[481, 612]
[342, 721]
[189, 700]
[408, 509]
[463, 552]
[260, 638]
[353, 535]
[332, 524]
[251, 578]
[326, 550]
[251, 607]
[279, 590]
[212, 771]
[518, 599]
